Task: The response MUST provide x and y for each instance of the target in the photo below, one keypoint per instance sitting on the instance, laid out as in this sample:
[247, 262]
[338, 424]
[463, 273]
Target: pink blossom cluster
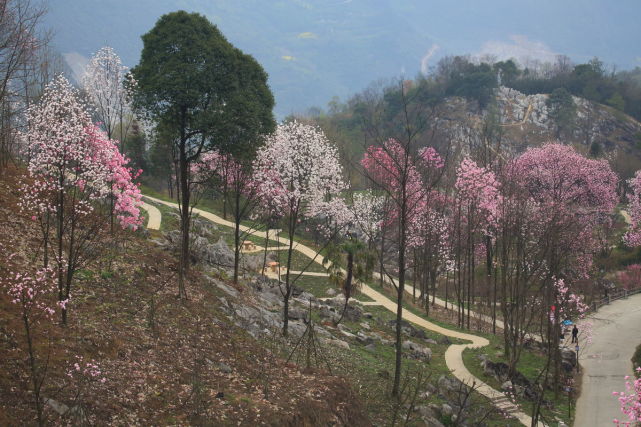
[119, 179]
[633, 236]
[572, 196]
[223, 168]
[70, 154]
[630, 278]
[394, 169]
[88, 371]
[430, 158]
[558, 177]
[630, 401]
[478, 189]
[33, 292]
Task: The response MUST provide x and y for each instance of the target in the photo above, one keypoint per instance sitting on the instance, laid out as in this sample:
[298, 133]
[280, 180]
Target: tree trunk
[184, 221]
[237, 243]
[382, 262]
[288, 288]
[60, 235]
[34, 371]
[262, 272]
[399, 298]
[348, 283]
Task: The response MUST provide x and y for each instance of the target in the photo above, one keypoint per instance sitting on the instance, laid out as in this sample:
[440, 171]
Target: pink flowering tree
[298, 176]
[74, 169]
[34, 293]
[572, 196]
[399, 174]
[575, 195]
[477, 213]
[519, 255]
[630, 278]
[240, 193]
[630, 401]
[633, 236]
[84, 376]
[431, 242]
[109, 88]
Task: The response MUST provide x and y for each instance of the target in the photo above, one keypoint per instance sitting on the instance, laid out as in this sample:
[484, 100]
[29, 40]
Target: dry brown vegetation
[164, 361]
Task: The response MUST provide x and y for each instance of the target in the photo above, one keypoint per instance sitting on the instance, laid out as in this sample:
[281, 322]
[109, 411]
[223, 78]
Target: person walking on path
[575, 334]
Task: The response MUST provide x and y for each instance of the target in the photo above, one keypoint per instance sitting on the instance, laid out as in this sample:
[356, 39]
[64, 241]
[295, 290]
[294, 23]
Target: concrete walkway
[453, 355]
[154, 216]
[616, 334]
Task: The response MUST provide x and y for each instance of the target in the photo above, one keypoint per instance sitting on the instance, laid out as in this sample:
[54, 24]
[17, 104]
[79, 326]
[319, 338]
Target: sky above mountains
[316, 49]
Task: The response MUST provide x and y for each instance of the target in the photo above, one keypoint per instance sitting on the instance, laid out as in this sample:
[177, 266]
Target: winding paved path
[617, 332]
[154, 216]
[454, 353]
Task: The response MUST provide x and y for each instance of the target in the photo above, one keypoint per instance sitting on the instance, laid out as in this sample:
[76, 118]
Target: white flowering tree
[109, 87]
[73, 170]
[299, 176]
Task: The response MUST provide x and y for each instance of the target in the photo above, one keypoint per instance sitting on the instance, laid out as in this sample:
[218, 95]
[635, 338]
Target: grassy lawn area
[530, 365]
[318, 286]
[371, 372]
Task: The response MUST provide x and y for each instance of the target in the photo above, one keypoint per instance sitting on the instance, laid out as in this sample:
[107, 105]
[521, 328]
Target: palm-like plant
[357, 257]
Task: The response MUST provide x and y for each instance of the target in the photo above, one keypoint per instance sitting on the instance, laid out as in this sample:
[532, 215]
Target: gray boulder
[498, 370]
[219, 254]
[364, 339]
[337, 343]
[227, 289]
[417, 351]
[224, 368]
[449, 384]
[298, 314]
[447, 410]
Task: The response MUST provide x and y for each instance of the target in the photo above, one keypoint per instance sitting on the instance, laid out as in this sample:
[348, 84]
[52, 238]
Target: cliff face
[518, 121]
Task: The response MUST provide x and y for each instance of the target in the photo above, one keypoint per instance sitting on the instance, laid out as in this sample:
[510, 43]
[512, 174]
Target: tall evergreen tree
[192, 81]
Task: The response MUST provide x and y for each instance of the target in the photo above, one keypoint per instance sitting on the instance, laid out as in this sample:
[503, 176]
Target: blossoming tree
[298, 174]
[572, 196]
[630, 400]
[633, 235]
[477, 210]
[109, 87]
[397, 173]
[34, 294]
[74, 169]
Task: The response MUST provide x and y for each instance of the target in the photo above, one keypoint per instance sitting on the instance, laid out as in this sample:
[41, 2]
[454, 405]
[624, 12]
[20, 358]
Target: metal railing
[616, 294]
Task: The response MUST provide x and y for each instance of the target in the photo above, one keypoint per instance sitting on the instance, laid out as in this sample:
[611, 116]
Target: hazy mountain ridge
[316, 49]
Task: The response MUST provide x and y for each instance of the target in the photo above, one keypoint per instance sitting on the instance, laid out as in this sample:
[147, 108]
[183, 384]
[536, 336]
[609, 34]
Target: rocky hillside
[523, 120]
[159, 360]
[511, 122]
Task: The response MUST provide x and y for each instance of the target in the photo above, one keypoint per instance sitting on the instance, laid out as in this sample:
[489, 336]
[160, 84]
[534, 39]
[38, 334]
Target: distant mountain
[316, 49]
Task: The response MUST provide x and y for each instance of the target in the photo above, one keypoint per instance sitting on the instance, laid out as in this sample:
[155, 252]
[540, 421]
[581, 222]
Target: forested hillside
[438, 251]
[472, 107]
